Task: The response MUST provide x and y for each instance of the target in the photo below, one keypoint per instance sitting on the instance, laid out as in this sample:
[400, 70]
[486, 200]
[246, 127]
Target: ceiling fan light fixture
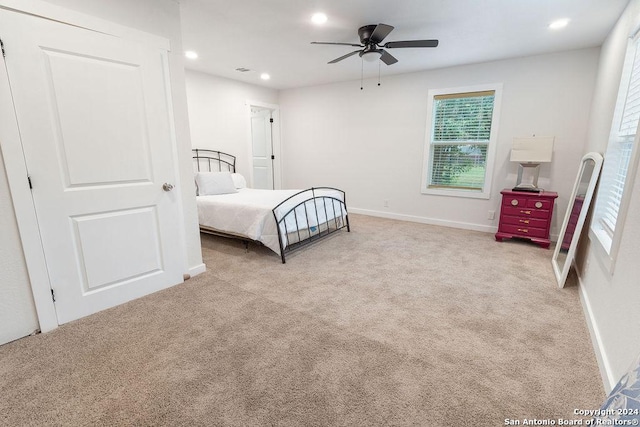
[371, 56]
[371, 48]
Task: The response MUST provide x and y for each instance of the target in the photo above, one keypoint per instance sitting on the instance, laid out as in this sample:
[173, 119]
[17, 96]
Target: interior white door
[262, 146]
[95, 126]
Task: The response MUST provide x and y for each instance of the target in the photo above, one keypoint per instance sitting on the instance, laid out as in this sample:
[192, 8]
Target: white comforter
[249, 213]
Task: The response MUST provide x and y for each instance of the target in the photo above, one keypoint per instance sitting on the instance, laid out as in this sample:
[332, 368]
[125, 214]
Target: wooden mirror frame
[562, 271]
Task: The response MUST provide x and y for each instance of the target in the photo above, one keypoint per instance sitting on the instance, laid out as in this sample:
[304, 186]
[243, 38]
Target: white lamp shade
[532, 150]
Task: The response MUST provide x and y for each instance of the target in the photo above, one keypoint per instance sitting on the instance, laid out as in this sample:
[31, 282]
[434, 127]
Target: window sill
[456, 193]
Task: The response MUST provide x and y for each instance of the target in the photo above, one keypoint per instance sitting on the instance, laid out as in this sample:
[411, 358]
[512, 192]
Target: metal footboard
[317, 215]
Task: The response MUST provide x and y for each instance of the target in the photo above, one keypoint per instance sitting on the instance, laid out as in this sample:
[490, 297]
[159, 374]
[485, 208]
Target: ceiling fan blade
[411, 43]
[387, 58]
[381, 31]
[340, 44]
[344, 57]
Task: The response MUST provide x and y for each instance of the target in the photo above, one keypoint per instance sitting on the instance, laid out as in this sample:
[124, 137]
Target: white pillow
[214, 183]
[239, 181]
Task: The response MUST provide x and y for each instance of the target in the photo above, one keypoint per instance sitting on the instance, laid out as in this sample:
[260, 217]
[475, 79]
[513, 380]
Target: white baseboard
[425, 220]
[608, 379]
[198, 269]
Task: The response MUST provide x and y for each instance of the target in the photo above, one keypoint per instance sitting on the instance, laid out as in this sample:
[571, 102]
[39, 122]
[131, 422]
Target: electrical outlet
[491, 215]
[386, 203]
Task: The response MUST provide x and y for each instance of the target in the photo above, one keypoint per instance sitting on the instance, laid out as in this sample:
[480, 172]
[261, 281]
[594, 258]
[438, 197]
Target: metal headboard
[213, 161]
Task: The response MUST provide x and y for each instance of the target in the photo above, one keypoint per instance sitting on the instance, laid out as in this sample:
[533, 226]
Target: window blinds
[620, 147]
[459, 139]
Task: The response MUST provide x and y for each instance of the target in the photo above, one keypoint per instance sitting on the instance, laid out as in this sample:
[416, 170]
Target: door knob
[167, 187]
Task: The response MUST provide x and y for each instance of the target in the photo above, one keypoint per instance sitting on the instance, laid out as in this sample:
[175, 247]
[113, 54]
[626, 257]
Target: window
[619, 159]
[461, 134]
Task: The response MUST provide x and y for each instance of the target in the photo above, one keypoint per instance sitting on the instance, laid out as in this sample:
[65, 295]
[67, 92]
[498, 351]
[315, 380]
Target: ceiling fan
[371, 37]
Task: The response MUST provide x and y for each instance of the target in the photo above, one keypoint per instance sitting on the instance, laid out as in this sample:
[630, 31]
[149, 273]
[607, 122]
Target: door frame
[275, 137]
[15, 162]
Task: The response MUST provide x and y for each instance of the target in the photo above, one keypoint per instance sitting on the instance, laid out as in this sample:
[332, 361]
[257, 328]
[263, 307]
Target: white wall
[370, 142]
[219, 116]
[612, 301]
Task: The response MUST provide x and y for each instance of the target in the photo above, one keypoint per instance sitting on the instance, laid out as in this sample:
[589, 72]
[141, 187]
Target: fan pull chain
[379, 72]
[362, 74]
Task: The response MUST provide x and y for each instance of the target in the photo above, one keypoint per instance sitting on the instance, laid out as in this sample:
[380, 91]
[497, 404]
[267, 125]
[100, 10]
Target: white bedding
[249, 213]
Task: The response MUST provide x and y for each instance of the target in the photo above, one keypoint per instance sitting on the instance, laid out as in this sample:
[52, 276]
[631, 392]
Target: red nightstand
[526, 215]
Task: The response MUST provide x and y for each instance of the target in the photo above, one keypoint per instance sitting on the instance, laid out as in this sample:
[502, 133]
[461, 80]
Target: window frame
[608, 243]
[427, 166]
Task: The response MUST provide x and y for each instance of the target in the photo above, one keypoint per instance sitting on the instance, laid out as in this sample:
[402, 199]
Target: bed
[281, 220]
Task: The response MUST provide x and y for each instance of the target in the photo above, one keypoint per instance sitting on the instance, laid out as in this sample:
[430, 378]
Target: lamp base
[527, 189]
[530, 185]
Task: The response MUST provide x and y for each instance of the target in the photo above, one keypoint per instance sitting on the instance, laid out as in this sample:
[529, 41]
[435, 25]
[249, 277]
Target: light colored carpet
[395, 323]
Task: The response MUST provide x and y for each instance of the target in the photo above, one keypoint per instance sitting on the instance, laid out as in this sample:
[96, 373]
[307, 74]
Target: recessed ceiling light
[560, 23]
[319, 18]
[265, 76]
[191, 54]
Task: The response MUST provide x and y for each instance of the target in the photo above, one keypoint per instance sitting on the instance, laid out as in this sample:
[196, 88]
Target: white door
[95, 126]
[262, 145]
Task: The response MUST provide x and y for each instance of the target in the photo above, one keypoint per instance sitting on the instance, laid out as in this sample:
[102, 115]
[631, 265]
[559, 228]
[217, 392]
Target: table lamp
[530, 153]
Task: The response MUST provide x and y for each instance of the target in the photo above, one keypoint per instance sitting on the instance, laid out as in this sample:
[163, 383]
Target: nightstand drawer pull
[524, 221]
[514, 202]
[538, 205]
[523, 230]
[526, 212]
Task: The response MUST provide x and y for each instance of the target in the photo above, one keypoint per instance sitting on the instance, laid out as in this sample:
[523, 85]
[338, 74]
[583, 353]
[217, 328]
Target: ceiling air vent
[242, 69]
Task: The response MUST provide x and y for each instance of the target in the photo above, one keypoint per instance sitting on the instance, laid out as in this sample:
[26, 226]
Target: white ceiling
[274, 36]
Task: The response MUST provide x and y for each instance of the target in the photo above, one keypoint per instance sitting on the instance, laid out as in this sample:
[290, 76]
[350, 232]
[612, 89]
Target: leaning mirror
[576, 214]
